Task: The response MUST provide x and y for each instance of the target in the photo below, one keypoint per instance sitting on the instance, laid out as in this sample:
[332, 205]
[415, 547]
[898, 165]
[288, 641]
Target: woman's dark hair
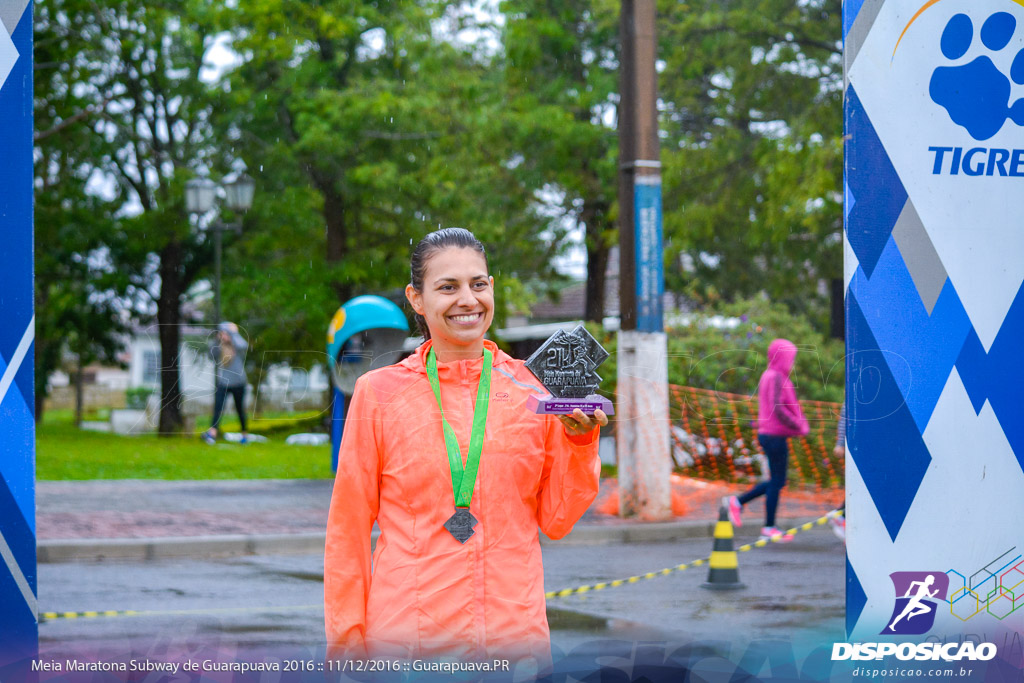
[430, 245]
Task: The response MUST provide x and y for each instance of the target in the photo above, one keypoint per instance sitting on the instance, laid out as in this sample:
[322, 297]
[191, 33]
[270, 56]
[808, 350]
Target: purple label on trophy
[566, 365]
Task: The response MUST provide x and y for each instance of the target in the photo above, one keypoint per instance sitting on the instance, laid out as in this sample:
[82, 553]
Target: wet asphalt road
[247, 607]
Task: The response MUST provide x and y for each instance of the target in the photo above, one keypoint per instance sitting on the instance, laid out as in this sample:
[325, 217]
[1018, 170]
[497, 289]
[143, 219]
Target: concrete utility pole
[642, 429]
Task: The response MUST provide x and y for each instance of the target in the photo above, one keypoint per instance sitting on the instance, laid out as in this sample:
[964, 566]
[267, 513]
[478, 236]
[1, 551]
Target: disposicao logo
[922, 652]
[917, 598]
[976, 95]
[917, 595]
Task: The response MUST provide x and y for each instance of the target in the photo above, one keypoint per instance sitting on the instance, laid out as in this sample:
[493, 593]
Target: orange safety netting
[714, 439]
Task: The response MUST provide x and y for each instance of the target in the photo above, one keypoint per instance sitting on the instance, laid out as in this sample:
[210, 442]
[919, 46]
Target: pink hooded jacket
[425, 594]
[778, 411]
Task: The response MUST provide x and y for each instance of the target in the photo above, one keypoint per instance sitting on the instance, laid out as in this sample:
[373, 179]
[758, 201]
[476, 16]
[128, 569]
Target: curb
[645, 532]
[196, 547]
[140, 549]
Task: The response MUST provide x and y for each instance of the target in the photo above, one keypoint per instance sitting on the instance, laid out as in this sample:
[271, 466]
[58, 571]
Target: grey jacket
[234, 374]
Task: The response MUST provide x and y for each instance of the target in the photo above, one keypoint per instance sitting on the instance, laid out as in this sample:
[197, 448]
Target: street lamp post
[200, 197]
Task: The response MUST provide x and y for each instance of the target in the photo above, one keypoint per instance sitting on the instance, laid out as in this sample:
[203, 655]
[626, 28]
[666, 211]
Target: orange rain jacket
[425, 594]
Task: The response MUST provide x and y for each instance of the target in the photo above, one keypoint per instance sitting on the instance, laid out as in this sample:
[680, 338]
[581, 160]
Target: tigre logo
[978, 84]
[977, 95]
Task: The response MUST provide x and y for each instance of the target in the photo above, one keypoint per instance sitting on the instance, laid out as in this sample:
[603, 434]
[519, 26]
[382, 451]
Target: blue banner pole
[650, 277]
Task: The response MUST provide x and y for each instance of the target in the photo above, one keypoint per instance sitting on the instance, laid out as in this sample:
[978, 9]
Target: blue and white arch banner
[18, 625]
[934, 182]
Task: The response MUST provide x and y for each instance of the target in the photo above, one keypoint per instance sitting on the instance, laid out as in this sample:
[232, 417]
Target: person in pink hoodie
[778, 417]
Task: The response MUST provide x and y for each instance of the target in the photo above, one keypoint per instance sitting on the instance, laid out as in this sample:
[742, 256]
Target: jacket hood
[781, 354]
[417, 361]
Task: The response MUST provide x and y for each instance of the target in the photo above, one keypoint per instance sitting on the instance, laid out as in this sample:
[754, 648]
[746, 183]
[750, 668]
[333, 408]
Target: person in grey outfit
[228, 353]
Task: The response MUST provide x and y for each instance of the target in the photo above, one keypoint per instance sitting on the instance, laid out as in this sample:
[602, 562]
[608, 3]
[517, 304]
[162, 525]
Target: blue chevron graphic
[972, 364]
[17, 445]
[874, 182]
[16, 655]
[18, 626]
[856, 598]
[848, 202]
[18, 622]
[12, 606]
[921, 349]
[851, 8]
[884, 440]
[16, 201]
[998, 376]
[19, 534]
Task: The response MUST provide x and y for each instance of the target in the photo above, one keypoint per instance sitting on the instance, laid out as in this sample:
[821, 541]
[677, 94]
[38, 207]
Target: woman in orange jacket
[442, 453]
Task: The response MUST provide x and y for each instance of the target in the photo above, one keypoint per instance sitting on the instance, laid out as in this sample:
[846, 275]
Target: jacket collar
[417, 361]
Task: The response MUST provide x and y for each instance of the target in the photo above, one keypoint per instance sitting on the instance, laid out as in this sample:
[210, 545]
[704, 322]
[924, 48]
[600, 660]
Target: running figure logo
[917, 594]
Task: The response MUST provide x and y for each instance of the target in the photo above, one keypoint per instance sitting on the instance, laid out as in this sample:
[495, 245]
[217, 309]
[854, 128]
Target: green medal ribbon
[464, 478]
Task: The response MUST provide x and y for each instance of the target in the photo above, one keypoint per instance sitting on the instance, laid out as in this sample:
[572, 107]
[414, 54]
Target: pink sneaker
[733, 507]
[774, 535]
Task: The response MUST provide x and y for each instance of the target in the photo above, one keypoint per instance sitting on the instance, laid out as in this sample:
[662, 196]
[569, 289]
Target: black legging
[221, 395]
[777, 450]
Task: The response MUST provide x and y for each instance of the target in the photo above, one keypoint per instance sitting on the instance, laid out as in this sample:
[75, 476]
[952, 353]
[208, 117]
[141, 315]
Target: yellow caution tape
[714, 559]
[49, 616]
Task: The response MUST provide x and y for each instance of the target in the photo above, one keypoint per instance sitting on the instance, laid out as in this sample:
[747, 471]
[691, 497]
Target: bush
[731, 360]
[136, 398]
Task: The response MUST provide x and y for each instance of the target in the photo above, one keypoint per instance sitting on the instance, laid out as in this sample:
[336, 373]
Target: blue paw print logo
[977, 94]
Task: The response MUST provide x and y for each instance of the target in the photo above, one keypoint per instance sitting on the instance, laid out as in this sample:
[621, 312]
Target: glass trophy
[565, 364]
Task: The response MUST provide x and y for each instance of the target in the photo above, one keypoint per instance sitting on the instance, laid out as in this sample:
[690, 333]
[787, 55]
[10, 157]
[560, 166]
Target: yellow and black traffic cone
[724, 570]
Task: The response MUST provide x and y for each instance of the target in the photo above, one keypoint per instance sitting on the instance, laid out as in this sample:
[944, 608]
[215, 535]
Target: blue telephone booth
[366, 333]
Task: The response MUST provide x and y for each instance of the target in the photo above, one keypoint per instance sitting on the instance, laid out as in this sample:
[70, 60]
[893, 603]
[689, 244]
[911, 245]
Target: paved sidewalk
[138, 508]
[147, 519]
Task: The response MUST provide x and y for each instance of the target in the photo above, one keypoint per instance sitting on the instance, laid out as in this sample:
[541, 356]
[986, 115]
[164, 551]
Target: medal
[460, 525]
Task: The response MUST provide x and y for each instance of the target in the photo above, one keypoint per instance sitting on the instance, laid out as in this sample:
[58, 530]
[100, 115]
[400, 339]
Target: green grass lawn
[65, 452]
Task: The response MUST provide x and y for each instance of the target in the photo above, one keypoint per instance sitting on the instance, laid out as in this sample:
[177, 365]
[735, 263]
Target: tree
[76, 300]
[155, 127]
[751, 119]
[367, 125]
[562, 70]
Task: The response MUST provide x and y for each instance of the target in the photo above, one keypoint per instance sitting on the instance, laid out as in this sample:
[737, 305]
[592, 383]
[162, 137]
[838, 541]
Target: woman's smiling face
[457, 302]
